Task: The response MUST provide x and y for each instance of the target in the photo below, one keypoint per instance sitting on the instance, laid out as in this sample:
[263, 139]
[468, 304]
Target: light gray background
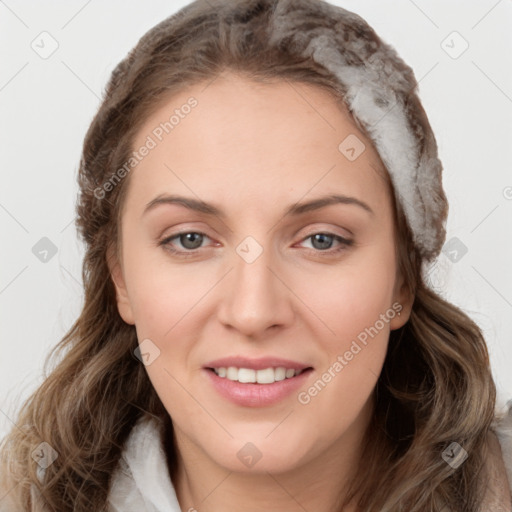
[46, 105]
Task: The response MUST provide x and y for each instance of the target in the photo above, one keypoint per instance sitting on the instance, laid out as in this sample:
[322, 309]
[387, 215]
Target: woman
[219, 363]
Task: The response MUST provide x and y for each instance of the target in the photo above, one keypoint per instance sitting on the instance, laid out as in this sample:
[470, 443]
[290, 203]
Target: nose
[255, 296]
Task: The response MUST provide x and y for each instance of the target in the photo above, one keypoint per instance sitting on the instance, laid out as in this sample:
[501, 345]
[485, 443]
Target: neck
[202, 485]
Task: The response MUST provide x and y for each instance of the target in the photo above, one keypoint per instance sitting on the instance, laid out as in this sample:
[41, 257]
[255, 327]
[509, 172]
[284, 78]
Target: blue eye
[191, 242]
[325, 239]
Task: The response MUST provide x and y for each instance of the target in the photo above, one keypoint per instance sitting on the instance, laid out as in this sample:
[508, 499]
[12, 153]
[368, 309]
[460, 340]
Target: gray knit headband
[379, 91]
[377, 86]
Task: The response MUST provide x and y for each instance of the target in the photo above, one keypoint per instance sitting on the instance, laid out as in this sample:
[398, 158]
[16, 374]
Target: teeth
[232, 373]
[247, 375]
[266, 376]
[280, 373]
[289, 373]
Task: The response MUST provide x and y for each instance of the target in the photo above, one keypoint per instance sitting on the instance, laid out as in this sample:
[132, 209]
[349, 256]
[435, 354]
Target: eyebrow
[293, 210]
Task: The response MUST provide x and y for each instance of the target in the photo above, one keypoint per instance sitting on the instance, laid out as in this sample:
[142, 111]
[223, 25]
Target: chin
[260, 454]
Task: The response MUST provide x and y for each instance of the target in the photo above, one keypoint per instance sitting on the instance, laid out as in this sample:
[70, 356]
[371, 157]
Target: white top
[142, 483]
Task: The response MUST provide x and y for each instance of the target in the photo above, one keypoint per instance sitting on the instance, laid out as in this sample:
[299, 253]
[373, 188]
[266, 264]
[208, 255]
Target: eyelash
[344, 243]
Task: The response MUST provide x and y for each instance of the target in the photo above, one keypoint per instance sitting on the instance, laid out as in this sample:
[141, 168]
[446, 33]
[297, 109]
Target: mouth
[251, 376]
[256, 382]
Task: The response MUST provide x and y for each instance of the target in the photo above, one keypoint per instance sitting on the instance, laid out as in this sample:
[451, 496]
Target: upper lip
[256, 364]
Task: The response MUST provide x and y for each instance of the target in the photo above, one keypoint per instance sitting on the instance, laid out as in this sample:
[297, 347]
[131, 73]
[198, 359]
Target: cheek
[350, 298]
[162, 293]
[356, 309]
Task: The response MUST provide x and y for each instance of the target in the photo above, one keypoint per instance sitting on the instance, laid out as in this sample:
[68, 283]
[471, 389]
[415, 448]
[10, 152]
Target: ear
[116, 273]
[402, 304]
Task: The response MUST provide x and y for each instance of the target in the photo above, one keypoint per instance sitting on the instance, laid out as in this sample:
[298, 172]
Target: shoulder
[503, 430]
[499, 464]
[7, 496]
[7, 484]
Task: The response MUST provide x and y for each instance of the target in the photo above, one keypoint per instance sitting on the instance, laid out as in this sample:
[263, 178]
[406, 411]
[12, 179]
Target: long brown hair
[435, 388]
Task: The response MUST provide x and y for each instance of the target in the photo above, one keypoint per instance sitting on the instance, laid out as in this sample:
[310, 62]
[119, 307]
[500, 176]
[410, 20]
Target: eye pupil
[323, 243]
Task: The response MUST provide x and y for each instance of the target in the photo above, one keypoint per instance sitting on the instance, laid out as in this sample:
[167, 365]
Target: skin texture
[253, 150]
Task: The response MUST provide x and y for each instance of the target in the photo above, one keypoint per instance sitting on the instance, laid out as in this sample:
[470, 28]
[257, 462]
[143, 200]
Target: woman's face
[270, 275]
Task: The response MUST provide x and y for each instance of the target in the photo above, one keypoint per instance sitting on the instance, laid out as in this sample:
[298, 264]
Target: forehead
[237, 140]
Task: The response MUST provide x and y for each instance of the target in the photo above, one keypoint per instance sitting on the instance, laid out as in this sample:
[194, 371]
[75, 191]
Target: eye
[322, 241]
[189, 240]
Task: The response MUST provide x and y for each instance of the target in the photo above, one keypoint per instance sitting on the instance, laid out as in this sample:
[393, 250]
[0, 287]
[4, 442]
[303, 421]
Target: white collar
[142, 482]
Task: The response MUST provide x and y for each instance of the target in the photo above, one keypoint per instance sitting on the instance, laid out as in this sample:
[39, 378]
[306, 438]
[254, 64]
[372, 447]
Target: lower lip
[256, 395]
